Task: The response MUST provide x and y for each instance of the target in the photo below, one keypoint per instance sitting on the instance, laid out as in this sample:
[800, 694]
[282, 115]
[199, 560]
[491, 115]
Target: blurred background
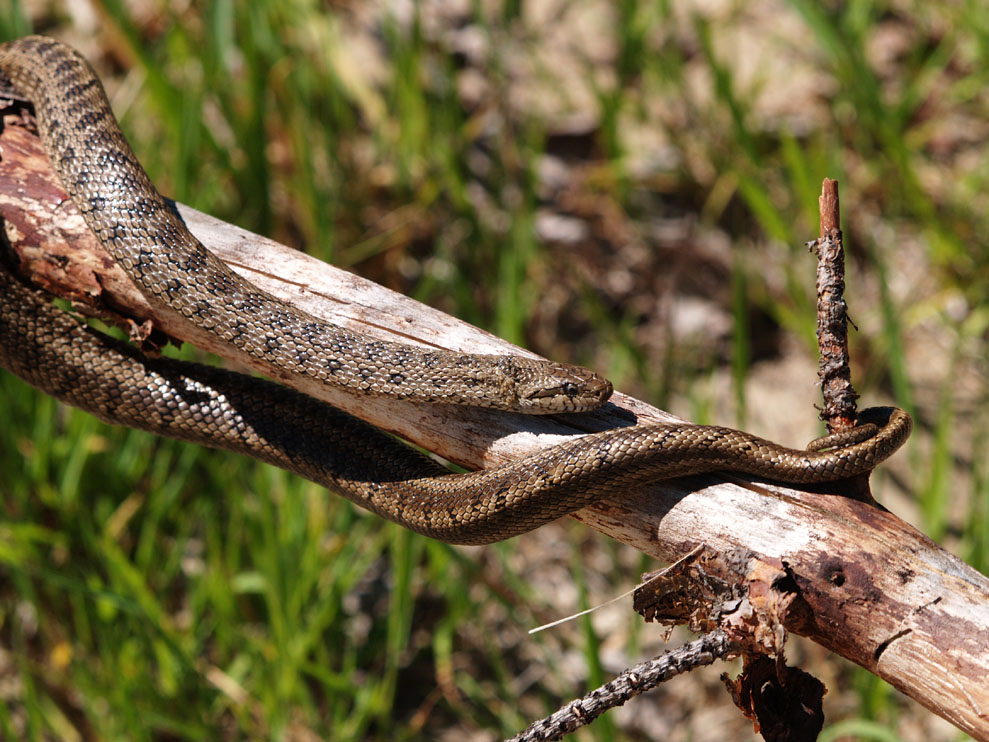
[626, 185]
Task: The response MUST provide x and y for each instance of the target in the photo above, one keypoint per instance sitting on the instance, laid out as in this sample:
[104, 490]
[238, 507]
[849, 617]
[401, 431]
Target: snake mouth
[599, 389]
[579, 395]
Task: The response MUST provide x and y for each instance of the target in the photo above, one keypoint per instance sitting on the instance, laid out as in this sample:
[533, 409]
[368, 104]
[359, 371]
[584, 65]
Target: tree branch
[877, 591]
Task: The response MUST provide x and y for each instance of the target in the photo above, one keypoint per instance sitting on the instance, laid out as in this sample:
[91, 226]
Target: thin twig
[632, 682]
[832, 316]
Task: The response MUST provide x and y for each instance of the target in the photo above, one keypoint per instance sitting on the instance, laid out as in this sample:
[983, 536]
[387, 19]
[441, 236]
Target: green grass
[153, 590]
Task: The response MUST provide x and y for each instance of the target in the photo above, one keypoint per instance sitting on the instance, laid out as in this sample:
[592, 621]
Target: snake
[50, 349]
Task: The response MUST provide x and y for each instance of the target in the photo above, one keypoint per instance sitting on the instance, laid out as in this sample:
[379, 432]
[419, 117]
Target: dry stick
[832, 316]
[839, 410]
[879, 592]
[632, 682]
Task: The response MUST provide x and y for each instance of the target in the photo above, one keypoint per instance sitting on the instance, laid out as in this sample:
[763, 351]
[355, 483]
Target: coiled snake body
[112, 380]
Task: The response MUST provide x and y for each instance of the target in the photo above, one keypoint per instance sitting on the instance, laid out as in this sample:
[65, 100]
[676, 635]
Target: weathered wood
[878, 592]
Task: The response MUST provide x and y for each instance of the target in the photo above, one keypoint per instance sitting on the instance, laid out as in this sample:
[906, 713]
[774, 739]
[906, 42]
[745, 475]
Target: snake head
[545, 387]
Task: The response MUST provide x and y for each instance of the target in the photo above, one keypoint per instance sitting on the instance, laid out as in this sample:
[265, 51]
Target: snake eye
[570, 389]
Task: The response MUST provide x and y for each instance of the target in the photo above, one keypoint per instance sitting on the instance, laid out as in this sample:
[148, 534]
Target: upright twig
[832, 316]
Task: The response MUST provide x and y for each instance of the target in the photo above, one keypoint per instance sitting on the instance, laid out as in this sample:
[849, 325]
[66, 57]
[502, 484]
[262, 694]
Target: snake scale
[112, 380]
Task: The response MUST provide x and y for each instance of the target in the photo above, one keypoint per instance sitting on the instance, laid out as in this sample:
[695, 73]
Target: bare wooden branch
[877, 591]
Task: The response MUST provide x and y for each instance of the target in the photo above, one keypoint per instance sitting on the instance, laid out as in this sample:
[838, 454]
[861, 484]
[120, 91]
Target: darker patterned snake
[112, 380]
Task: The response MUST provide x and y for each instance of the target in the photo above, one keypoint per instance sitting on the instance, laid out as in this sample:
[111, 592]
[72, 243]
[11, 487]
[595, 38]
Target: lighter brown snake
[112, 380]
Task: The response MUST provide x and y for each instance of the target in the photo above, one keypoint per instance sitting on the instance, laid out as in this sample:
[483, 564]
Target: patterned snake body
[213, 407]
[183, 280]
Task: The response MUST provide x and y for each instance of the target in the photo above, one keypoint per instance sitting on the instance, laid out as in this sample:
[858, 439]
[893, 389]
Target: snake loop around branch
[218, 408]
